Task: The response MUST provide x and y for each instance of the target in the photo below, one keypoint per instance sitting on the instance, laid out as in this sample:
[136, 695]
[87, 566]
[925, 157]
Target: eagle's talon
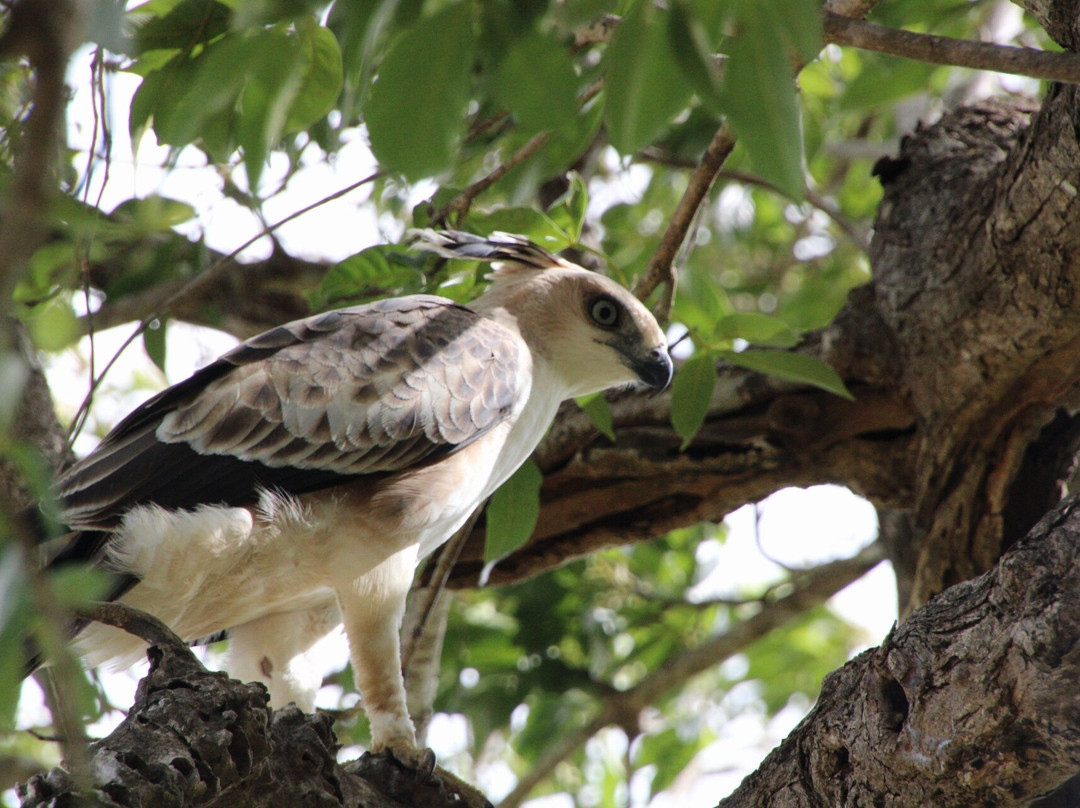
[422, 761]
[427, 761]
[422, 764]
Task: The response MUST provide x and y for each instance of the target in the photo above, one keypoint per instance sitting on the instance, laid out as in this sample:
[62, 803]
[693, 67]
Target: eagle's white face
[593, 334]
[607, 338]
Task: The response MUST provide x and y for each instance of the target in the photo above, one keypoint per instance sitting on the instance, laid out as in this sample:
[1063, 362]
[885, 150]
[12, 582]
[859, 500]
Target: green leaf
[272, 86]
[525, 221]
[691, 392]
[256, 13]
[644, 85]
[183, 26]
[321, 79]
[375, 272]
[50, 266]
[157, 99]
[758, 93]
[537, 81]
[512, 512]
[759, 329]
[73, 585]
[792, 367]
[690, 44]
[596, 407]
[152, 214]
[701, 303]
[52, 325]
[185, 93]
[14, 621]
[154, 343]
[415, 112]
[798, 25]
[568, 211]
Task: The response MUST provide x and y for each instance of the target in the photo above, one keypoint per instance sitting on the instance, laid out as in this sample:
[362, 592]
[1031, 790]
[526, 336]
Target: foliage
[447, 93]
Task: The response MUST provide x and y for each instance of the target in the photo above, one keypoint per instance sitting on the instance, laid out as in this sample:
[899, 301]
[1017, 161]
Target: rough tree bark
[963, 704]
[964, 355]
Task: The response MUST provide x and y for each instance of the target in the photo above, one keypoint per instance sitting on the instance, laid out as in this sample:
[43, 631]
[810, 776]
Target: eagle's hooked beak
[655, 369]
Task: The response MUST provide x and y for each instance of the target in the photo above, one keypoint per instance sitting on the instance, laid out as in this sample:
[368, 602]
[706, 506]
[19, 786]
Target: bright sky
[796, 527]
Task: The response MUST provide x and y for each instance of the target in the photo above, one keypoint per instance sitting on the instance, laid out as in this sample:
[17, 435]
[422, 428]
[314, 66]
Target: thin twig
[459, 205]
[857, 235]
[434, 583]
[143, 625]
[661, 267]
[940, 50]
[621, 708]
[843, 26]
[101, 120]
[481, 127]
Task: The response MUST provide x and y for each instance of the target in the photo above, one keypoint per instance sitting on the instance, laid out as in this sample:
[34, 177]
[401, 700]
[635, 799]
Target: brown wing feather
[367, 390]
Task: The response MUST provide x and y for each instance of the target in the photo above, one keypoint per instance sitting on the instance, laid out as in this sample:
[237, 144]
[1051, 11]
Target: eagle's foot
[410, 775]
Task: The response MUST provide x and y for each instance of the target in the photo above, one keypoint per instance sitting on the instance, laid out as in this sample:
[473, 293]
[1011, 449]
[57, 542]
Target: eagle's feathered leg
[372, 606]
[275, 650]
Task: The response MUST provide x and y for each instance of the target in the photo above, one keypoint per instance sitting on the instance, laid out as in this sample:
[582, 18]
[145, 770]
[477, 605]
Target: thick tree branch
[990, 373]
[45, 31]
[247, 298]
[940, 50]
[1059, 18]
[761, 435]
[969, 702]
[195, 737]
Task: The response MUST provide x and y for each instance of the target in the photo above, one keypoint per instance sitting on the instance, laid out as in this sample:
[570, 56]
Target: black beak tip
[656, 370]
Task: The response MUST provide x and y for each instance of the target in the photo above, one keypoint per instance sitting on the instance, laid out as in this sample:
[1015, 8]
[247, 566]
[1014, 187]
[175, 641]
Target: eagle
[293, 484]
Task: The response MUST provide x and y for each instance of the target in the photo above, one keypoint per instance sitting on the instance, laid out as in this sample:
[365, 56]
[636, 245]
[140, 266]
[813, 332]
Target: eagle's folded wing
[367, 390]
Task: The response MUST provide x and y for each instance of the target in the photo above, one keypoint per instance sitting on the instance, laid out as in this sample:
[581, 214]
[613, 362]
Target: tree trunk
[970, 701]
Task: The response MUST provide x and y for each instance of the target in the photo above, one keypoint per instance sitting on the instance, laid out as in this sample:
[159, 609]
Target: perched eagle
[293, 484]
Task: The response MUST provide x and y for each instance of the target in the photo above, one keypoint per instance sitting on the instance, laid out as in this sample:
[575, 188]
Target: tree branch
[45, 31]
[857, 235]
[966, 703]
[761, 434]
[940, 50]
[196, 737]
[459, 205]
[810, 589]
[661, 267]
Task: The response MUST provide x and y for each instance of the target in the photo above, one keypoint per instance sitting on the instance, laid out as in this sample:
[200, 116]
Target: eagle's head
[591, 331]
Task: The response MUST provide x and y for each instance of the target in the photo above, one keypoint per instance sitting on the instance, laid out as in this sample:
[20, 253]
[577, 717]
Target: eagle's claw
[427, 777]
